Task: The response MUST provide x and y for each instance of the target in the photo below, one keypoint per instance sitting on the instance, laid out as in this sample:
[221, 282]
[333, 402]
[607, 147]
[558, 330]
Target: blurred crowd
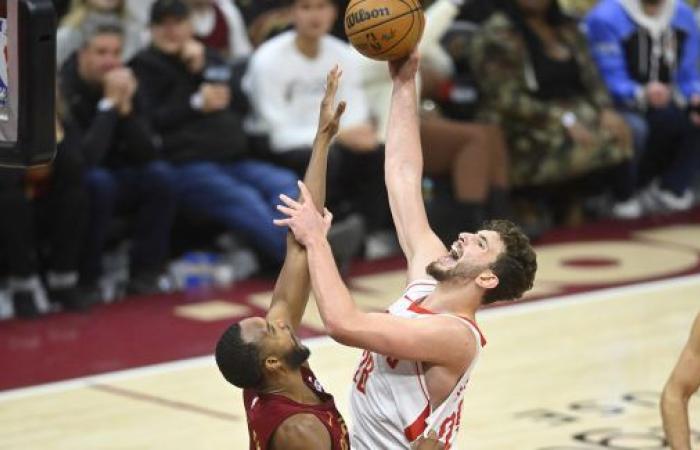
[181, 121]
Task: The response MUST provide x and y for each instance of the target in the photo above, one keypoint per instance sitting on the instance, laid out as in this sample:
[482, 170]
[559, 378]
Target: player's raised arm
[403, 171]
[683, 383]
[385, 334]
[292, 287]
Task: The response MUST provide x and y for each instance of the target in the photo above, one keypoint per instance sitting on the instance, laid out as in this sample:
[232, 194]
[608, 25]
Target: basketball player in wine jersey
[286, 407]
[419, 355]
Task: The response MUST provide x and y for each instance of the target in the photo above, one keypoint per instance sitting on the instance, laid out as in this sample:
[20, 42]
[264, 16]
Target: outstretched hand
[404, 70]
[303, 218]
[329, 117]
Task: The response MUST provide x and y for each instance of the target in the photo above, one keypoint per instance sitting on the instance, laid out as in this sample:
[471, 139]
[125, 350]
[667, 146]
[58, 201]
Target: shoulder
[301, 432]
[498, 22]
[275, 46]
[684, 16]
[497, 31]
[606, 11]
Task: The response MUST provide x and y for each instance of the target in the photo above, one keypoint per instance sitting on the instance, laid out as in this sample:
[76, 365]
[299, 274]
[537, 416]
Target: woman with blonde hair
[85, 15]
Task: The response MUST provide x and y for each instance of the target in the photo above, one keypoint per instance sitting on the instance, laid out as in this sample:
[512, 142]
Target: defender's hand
[329, 118]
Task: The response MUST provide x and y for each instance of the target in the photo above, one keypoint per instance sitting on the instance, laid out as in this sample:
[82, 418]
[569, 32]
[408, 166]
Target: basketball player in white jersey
[419, 355]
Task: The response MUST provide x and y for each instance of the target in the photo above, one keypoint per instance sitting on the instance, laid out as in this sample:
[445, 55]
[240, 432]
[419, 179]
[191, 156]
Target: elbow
[336, 330]
[339, 330]
[674, 394]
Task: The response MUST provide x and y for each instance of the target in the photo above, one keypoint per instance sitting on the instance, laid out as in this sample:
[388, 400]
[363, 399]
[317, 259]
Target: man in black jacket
[102, 119]
[187, 94]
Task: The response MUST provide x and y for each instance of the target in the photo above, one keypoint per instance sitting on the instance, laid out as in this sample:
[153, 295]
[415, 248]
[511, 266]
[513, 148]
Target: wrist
[317, 242]
[323, 138]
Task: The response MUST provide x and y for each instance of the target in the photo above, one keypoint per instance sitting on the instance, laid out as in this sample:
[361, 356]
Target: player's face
[468, 256]
[101, 55]
[274, 338]
[313, 18]
[171, 35]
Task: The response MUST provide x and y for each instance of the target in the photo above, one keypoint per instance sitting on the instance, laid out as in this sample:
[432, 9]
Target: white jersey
[389, 400]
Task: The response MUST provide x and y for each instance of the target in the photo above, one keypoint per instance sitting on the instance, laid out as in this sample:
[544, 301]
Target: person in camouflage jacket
[552, 136]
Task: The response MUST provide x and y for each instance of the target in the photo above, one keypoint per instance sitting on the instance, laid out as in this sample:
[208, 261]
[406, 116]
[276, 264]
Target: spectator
[84, 16]
[647, 52]
[539, 82]
[187, 94]
[103, 107]
[218, 24]
[44, 205]
[284, 103]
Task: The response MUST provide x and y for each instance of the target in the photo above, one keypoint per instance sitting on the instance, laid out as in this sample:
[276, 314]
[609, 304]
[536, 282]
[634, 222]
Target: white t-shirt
[389, 400]
[285, 88]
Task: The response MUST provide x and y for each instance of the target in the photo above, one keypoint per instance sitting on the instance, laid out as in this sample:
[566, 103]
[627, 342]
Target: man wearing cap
[186, 89]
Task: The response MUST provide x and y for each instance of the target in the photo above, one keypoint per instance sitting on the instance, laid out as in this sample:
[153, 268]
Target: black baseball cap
[166, 9]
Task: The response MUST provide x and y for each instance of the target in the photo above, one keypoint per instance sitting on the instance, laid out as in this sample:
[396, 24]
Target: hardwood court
[576, 373]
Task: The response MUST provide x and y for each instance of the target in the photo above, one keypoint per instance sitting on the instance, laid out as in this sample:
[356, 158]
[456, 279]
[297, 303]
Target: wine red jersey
[265, 412]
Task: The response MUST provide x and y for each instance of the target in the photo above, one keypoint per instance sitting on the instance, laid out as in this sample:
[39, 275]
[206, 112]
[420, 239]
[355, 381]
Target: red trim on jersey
[423, 388]
[414, 430]
[416, 308]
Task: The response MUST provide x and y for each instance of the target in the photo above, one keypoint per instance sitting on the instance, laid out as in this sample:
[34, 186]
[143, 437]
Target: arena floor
[579, 365]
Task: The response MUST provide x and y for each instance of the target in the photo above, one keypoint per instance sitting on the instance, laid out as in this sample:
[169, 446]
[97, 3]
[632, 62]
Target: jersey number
[362, 374]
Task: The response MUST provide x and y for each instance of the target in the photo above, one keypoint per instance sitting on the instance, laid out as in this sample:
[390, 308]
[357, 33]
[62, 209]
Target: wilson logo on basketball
[362, 15]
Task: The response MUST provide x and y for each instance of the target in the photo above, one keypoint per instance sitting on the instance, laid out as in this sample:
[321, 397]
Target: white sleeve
[238, 34]
[266, 92]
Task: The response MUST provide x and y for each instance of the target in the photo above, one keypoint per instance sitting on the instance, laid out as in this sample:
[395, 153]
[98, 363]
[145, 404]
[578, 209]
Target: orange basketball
[384, 29]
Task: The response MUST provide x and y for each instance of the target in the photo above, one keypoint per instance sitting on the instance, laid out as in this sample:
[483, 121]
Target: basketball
[384, 29]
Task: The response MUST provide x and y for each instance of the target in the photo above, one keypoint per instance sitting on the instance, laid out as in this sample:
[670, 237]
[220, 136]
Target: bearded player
[286, 407]
[419, 355]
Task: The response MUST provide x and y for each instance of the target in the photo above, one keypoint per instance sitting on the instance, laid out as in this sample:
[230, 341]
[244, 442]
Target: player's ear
[487, 279]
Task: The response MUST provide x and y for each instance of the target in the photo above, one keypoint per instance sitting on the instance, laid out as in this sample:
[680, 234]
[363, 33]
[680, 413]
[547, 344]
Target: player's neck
[294, 388]
[308, 47]
[447, 297]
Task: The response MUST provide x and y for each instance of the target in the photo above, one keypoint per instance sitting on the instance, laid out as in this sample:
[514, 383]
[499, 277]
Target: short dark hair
[165, 9]
[515, 267]
[238, 361]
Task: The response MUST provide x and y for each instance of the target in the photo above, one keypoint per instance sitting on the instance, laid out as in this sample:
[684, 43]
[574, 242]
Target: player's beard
[297, 356]
[460, 270]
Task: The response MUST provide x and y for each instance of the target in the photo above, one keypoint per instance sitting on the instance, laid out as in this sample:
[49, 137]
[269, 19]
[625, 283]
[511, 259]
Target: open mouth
[456, 251]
